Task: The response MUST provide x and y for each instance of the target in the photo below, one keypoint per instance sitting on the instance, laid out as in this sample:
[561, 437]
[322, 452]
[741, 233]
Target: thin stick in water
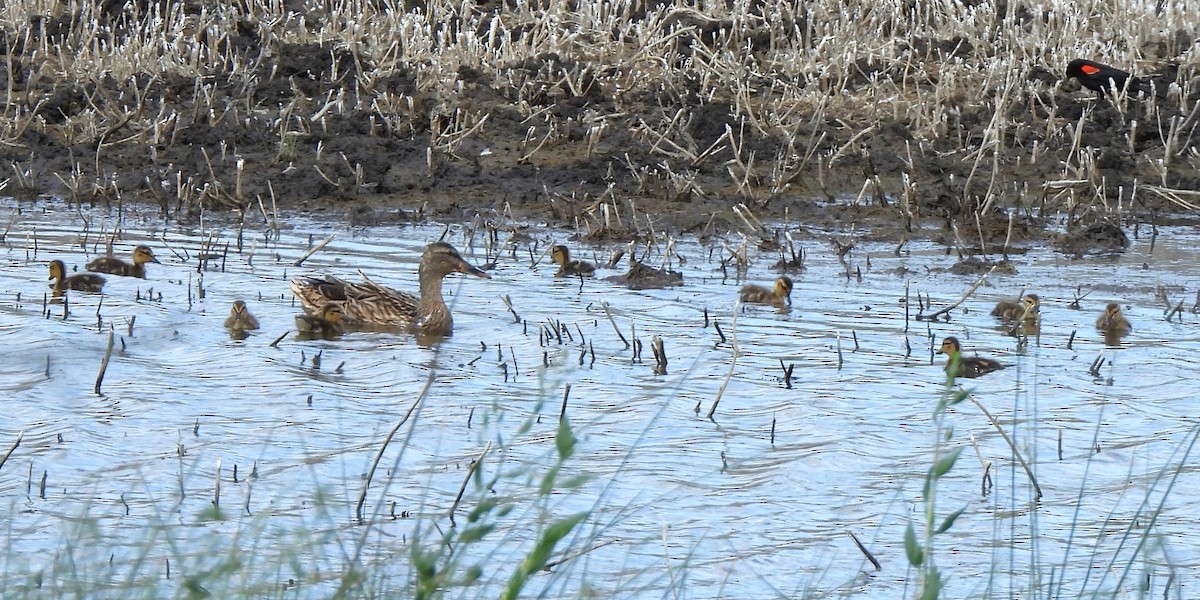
[314, 250]
[463, 488]
[608, 312]
[104, 363]
[4, 459]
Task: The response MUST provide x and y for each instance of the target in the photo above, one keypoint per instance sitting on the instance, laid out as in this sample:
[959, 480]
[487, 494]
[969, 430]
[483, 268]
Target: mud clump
[1097, 238]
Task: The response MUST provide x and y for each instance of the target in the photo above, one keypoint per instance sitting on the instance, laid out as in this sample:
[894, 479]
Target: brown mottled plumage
[116, 266]
[1026, 308]
[369, 303]
[83, 282]
[567, 267]
[757, 294]
[328, 323]
[1112, 322]
[968, 366]
[239, 318]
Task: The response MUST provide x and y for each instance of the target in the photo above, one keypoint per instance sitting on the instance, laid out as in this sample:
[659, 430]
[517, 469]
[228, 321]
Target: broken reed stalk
[4, 459]
[562, 413]
[508, 304]
[964, 297]
[362, 498]
[608, 312]
[866, 553]
[737, 308]
[104, 362]
[660, 355]
[463, 488]
[314, 250]
[1037, 490]
[216, 501]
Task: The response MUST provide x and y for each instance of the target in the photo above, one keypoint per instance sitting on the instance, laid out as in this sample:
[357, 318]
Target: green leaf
[537, 557]
[565, 440]
[945, 463]
[949, 520]
[916, 556]
[933, 585]
[547, 484]
[474, 534]
[958, 396]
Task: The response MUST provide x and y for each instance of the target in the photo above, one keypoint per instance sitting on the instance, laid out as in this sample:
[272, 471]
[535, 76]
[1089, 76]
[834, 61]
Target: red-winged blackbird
[1101, 78]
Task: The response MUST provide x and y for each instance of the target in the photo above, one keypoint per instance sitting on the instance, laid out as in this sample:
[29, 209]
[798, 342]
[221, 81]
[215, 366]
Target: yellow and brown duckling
[968, 366]
[116, 266]
[327, 323]
[1026, 308]
[239, 318]
[1112, 322]
[371, 304]
[83, 282]
[568, 267]
[757, 294]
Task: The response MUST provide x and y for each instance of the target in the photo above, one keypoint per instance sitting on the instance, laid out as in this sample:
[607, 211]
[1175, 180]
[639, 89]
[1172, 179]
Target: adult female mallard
[567, 267]
[1024, 308]
[968, 366]
[327, 323]
[239, 318]
[83, 282]
[758, 294]
[1112, 322]
[369, 303]
[116, 266]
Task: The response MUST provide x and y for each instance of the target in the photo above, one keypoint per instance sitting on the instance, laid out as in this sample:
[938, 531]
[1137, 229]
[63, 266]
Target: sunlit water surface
[757, 502]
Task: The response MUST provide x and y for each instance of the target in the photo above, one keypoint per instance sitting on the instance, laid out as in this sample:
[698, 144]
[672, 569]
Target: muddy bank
[272, 121]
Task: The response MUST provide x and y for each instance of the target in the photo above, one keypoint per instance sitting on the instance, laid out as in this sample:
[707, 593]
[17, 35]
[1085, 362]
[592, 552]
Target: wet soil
[351, 164]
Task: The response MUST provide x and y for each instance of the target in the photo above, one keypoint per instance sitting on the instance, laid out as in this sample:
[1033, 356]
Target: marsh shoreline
[266, 118]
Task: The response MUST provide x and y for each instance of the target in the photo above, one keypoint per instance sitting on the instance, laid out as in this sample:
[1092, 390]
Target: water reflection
[754, 502]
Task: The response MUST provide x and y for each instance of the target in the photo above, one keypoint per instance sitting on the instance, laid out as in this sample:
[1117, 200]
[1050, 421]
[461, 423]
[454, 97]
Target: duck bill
[469, 269]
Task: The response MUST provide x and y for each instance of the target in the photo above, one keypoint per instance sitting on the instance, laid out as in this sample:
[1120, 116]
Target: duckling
[116, 266]
[758, 294]
[83, 282]
[567, 267]
[968, 366]
[239, 318]
[328, 323]
[1025, 308]
[369, 303]
[1112, 322]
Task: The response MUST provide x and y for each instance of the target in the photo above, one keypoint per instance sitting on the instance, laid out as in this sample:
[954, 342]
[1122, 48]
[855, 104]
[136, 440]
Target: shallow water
[709, 507]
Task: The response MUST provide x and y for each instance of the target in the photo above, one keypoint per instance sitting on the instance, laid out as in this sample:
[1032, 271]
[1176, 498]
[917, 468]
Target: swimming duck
[83, 282]
[369, 303]
[567, 267]
[116, 266]
[1112, 322]
[1024, 308]
[239, 318]
[327, 323]
[968, 366]
[761, 295]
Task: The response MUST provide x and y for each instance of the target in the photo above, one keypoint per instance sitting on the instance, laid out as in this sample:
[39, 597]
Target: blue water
[679, 504]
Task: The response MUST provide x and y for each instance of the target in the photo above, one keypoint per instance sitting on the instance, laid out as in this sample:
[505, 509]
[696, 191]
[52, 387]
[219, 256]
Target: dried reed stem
[11, 449]
[314, 250]
[107, 356]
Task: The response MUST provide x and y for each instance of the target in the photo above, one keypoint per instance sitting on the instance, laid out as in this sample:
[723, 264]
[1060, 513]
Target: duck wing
[361, 303]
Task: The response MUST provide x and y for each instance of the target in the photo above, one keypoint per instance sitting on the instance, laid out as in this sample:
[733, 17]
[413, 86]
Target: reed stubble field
[569, 113]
